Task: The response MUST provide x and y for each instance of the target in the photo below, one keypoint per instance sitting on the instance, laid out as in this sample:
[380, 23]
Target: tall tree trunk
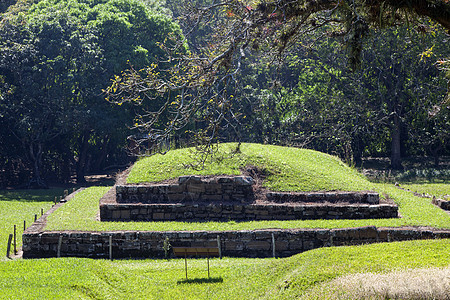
[104, 151]
[35, 156]
[396, 157]
[435, 152]
[357, 151]
[81, 163]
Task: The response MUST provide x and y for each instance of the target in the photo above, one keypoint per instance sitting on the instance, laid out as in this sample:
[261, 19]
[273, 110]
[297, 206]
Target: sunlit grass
[19, 206]
[236, 278]
[287, 169]
[440, 190]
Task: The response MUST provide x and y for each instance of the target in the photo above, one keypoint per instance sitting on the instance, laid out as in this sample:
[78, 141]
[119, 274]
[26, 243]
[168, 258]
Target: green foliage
[315, 102]
[56, 57]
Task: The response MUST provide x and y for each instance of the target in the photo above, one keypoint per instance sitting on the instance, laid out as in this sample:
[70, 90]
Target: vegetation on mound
[284, 168]
[235, 278]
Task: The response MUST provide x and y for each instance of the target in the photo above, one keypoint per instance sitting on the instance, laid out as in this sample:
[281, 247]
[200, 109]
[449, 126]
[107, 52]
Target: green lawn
[233, 278]
[439, 190]
[21, 205]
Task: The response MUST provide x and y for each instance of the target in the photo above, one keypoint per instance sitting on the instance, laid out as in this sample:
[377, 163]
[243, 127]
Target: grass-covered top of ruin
[280, 168]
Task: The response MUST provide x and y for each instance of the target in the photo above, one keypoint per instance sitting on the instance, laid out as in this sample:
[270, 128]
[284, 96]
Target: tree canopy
[347, 77]
[56, 58]
[205, 80]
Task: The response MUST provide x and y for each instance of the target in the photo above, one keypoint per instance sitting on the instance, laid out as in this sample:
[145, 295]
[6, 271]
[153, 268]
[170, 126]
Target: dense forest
[88, 84]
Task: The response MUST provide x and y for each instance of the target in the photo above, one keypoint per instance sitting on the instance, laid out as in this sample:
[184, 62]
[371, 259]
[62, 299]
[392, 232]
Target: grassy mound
[284, 168]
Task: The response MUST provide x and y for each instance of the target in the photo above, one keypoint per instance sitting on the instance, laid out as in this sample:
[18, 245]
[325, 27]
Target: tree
[39, 68]
[55, 60]
[206, 81]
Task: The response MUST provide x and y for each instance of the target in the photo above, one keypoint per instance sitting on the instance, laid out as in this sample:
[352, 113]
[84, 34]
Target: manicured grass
[81, 214]
[287, 169]
[21, 205]
[233, 278]
[439, 190]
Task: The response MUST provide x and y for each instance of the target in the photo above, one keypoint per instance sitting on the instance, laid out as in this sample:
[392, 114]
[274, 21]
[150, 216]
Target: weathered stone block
[243, 180]
[373, 198]
[258, 245]
[213, 198]
[225, 180]
[175, 189]
[191, 179]
[233, 246]
[176, 197]
[115, 214]
[158, 216]
[125, 214]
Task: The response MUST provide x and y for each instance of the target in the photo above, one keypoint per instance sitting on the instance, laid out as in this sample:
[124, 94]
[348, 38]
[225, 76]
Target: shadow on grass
[201, 280]
[42, 195]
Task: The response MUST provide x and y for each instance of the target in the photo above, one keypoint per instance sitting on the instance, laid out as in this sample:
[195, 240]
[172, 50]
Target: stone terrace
[227, 198]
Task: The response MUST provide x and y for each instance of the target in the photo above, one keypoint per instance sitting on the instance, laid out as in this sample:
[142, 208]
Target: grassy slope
[17, 206]
[70, 278]
[291, 169]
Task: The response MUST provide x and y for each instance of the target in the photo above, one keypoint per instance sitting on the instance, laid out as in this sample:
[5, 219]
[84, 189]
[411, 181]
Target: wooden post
[219, 246]
[8, 246]
[73, 190]
[56, 199]
[273, 245]
[15, 248]
[42, 211]
[110, 248]
[35, 218]
[66, 193]
[24, 225]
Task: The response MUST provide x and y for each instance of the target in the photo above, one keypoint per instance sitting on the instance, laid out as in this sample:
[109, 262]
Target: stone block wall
[188, 189]
[240, 212]
[245, 243]
[322, 197]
